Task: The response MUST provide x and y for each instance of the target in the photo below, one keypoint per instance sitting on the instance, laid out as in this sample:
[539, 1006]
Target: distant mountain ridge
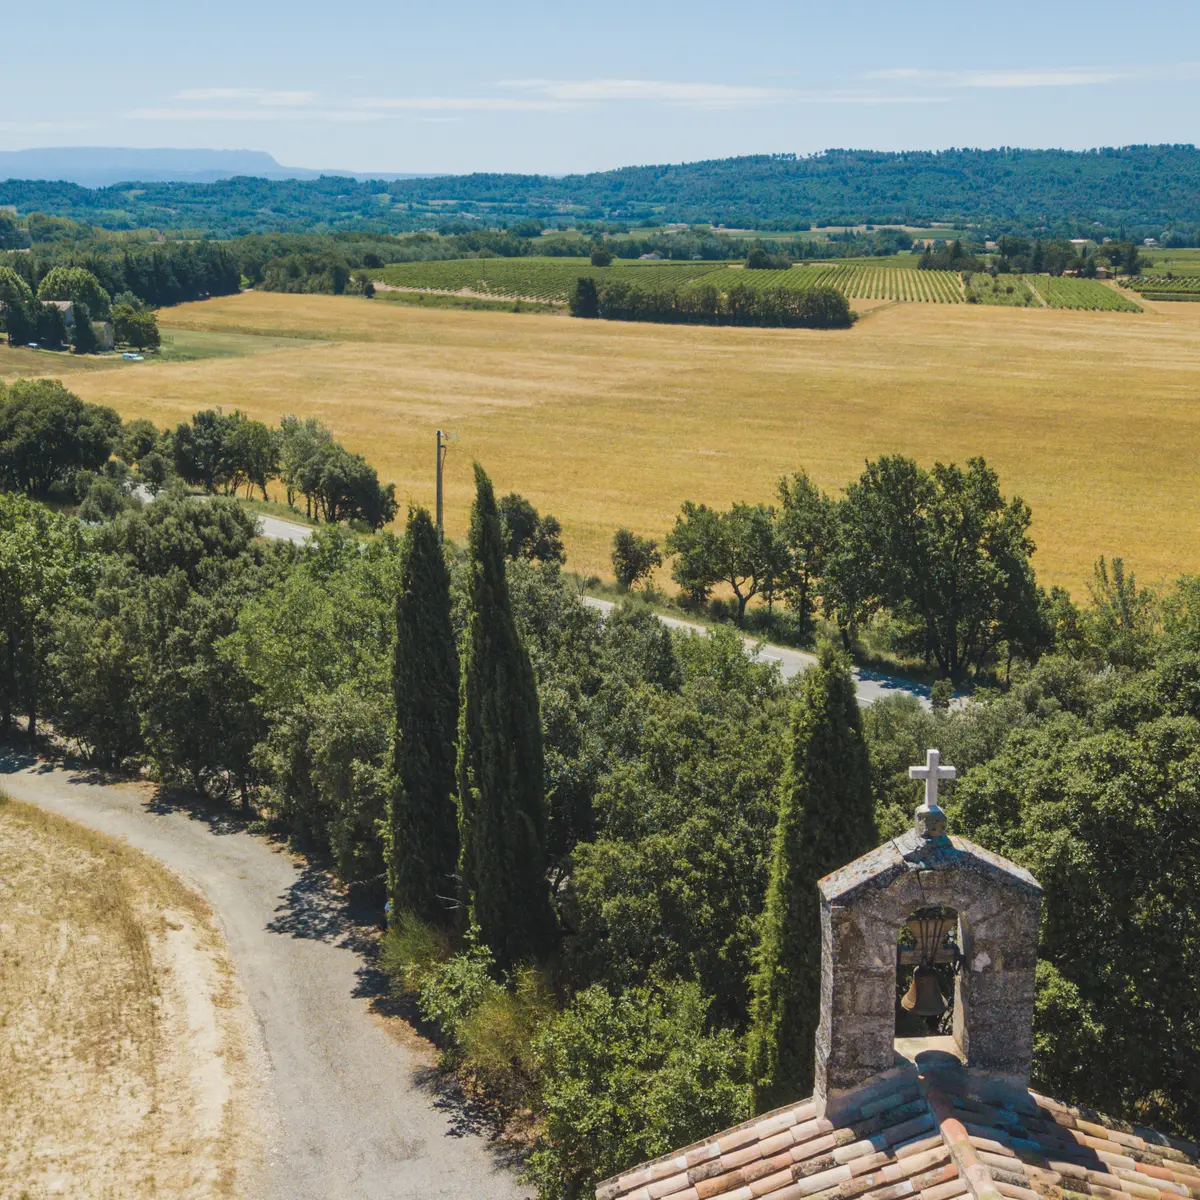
[1116, 191]
[104, 166]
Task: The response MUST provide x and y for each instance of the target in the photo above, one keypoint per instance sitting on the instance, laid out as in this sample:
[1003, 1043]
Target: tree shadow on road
[219, 817]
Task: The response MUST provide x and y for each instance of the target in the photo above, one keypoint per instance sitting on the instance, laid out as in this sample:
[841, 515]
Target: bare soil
[127, 1057]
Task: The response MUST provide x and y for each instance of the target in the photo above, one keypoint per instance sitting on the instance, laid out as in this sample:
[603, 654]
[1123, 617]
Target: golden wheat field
[1093, 417]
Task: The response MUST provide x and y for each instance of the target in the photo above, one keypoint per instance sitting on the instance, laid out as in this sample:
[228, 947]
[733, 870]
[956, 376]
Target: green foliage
[48, 435]
[83, 336]
[45, 559]
[499, 1035]
[421, 841]
[673, 881]
[944, 549]
[624, 299]
[529, 535]
[79, 286]
[633, 558]
[627, 1078]
[738, 548]
[759, 259]
[601, 256]
[13, 289]
[136, 328]
[826, 820]
[501, 798]
[584, 300]
[1014, 187]
[317, 644]
[804, 531]
[1100, 801]
[1121, 621]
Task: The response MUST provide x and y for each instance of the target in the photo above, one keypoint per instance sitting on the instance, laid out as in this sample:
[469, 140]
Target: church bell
[924, 995]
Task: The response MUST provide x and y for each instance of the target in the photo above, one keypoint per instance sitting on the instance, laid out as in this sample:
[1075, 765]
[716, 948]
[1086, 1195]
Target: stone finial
[931, 820]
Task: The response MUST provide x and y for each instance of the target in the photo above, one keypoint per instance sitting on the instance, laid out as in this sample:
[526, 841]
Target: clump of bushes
[703, 304]
[608, 1080]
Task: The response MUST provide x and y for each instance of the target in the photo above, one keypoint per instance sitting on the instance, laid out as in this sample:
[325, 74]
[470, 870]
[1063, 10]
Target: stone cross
[931, 821]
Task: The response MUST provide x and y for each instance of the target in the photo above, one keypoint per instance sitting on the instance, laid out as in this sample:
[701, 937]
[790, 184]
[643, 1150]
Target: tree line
[51, 442]
[1144, 189]
[600, 838]
[940, 551]
[703, 304]
[42, 318]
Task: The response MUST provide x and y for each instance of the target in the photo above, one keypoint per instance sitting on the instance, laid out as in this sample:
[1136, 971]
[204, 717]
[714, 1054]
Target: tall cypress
[422, 818]
[826, 819]
[501, 799]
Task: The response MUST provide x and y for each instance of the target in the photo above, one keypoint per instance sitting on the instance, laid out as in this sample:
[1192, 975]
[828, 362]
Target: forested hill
[1135, 188]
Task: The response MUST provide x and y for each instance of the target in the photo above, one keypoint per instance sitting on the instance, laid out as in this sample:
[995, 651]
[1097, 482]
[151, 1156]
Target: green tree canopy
[48, 435]
[77, 285]
[501, 799]
[826, 819]
[422, 835]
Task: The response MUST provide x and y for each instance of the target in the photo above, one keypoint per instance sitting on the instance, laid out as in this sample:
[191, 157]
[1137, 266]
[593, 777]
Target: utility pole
[441, 458]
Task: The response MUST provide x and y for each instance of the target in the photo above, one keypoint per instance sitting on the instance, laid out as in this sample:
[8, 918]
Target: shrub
[633, 558]
[411, 951]
[498, 1037]
[583, 301]
[626, 1078]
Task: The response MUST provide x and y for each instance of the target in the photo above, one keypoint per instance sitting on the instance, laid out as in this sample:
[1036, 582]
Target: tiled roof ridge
[974, 1172]
[945, 1134]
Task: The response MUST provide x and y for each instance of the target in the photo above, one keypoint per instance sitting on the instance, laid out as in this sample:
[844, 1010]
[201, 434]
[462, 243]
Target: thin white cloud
[455, 104]
[541, 95]
[653, 91]
[271, 99]
[1018, 77]
[251, 114]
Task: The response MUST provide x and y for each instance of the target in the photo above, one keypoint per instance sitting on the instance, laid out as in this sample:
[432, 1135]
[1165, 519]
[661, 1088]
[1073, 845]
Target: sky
[461, 85]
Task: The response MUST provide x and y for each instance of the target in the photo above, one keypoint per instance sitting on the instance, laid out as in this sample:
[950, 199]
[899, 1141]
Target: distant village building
[1150, 242]
[928, 1117]
[653, 256]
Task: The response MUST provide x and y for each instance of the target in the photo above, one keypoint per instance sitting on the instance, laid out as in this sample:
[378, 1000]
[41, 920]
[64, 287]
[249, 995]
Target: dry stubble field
[1093, 417]
[125, 1065]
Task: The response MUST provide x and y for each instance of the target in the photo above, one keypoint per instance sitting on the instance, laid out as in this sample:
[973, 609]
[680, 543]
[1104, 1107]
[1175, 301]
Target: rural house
[105, 336]
[933, 1118]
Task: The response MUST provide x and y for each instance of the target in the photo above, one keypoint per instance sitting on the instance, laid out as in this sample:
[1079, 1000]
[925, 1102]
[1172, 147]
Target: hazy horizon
[530, 88]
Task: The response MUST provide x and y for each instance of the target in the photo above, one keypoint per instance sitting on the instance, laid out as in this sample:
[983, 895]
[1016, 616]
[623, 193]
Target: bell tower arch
[863, 907]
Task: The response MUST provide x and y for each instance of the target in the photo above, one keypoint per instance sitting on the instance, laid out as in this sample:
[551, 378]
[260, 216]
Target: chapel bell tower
[990, 907]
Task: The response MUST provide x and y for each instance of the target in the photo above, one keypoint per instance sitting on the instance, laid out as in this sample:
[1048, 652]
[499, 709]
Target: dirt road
[359, 1115]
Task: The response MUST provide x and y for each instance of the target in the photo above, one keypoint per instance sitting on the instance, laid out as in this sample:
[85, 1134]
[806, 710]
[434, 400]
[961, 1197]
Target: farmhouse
[105, 336]
[930, 1117]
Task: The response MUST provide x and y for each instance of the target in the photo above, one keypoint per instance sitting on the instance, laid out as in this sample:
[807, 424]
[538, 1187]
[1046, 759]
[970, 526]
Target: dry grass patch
[124, 1042]
[1092, 417]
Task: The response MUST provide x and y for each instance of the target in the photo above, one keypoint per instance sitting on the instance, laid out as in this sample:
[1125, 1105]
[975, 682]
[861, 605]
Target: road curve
[358, 1113]
[868, 685]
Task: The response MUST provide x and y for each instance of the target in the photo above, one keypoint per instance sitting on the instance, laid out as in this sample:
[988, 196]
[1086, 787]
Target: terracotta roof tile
[935, 1139]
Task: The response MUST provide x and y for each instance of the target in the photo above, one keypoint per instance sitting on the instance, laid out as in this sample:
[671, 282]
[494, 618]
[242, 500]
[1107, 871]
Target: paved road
[869, 685]
[283, 531]
[360, 1116]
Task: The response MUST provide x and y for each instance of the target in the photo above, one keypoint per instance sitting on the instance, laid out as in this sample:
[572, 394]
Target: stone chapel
[928, 1117]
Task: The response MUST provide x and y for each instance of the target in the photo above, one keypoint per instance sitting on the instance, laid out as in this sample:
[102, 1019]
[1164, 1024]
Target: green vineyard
[1178, 287]
[529, 278]
[1086, 294]
[551, 280]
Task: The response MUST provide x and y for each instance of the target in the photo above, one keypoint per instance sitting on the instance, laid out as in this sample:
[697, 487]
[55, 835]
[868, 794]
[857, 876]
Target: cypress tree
[501, 799]
[422, 821]
[826, 819]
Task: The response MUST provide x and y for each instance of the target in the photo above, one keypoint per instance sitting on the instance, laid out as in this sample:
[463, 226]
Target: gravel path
[359, 1114]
